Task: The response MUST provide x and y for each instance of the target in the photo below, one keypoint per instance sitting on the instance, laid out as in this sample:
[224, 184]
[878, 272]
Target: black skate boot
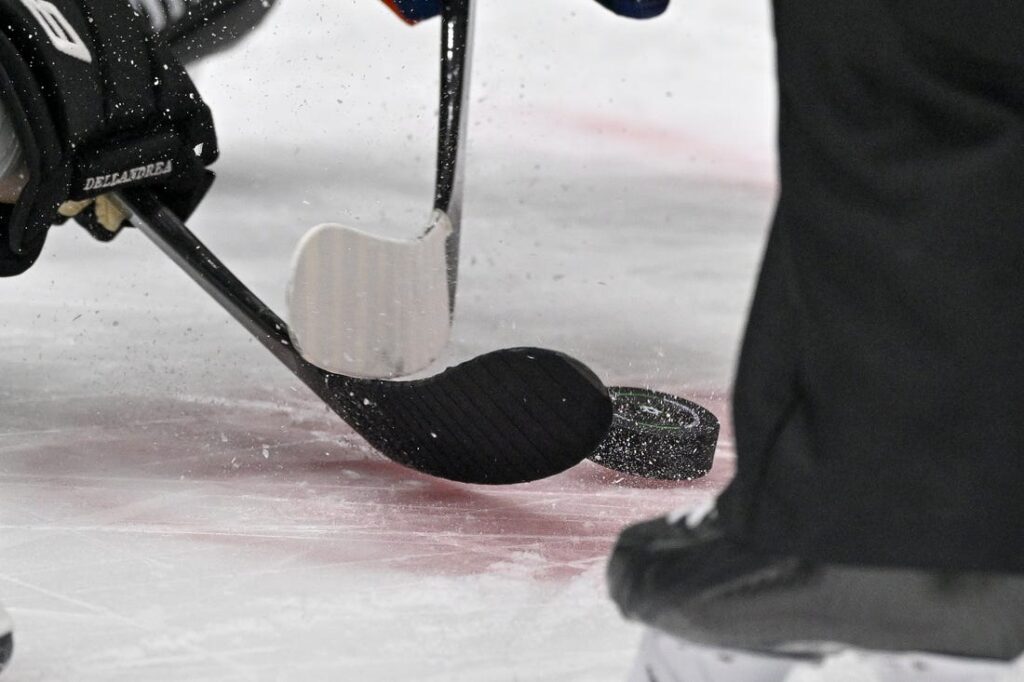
[684, 576]
[6, 638]
[194, 29]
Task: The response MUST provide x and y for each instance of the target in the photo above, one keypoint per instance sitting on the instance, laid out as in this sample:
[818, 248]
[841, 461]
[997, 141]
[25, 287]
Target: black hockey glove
[413, 11]
[97, 105]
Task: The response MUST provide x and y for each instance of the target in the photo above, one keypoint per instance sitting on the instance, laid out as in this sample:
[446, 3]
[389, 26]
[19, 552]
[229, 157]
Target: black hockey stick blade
[510, 416]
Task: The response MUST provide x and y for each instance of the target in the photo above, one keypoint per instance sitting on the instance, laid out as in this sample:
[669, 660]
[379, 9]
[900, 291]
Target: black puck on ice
[657, 435]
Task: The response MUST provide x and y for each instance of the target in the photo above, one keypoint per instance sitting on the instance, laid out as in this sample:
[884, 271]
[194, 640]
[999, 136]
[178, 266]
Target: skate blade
[664, 658]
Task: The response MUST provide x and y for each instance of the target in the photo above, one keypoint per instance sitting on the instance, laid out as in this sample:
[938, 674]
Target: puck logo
[152, 170]
[58, 29]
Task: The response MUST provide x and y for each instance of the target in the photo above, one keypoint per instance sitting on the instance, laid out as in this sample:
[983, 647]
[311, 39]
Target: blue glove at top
[413, 11]
[635, 9]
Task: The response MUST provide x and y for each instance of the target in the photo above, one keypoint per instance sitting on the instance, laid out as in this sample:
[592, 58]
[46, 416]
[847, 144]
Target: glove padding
[97, 106]
[413, 11]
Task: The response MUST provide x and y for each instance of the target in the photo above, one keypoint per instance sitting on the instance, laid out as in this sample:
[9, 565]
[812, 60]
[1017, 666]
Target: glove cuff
[97, 106]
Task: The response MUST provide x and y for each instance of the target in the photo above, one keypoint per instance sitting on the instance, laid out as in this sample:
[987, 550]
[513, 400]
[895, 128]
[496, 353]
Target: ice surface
[175, 506]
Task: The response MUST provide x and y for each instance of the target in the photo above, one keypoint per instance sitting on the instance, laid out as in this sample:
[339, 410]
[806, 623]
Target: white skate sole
[664, 658]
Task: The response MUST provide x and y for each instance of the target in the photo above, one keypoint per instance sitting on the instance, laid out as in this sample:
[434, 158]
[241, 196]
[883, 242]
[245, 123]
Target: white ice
[175, 506]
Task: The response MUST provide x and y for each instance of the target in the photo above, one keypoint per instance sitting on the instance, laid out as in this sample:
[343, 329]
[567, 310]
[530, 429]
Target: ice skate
[6, 638]
[684, 576]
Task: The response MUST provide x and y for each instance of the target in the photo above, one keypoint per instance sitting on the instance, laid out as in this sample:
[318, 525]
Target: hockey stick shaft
[173, 238]
[456, 64]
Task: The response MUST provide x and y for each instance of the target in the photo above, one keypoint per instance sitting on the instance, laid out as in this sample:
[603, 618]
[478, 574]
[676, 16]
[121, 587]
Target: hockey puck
[657, 435]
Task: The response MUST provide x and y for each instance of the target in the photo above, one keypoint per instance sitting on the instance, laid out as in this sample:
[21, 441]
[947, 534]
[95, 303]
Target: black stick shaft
[191, 255]
[456, 63]
[456, 49]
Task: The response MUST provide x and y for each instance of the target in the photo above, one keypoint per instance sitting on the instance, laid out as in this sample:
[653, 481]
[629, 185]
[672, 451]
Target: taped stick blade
[368, 306]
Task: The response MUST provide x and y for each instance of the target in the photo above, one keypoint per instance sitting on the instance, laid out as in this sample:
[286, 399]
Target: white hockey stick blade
[367, 306]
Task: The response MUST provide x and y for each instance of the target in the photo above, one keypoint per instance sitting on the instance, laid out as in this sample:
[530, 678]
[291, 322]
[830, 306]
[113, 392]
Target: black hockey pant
[879, 401]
